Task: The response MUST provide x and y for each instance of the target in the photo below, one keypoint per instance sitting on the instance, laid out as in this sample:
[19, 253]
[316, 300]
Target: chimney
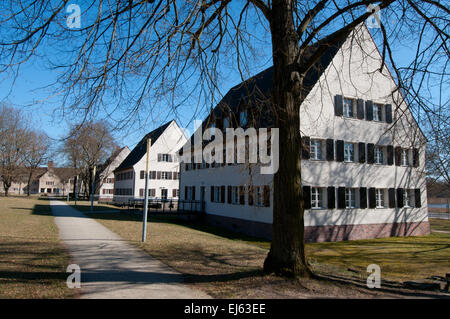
[50, 165]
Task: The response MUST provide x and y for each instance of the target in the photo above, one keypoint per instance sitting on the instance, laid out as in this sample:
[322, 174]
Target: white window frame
[380, 198]
[408, 198]
[316, 149]
[350, 198]
[348, 110]
[316, 198]
[405, 157]
[377, 109]
[349, 155]
[378, 155]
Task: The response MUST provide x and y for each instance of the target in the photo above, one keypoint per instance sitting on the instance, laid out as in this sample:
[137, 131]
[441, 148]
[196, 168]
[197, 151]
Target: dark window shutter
[388, 111]
[241, 195]
[398, 156]
[158, 175]
[331, 196]
[306, 147]
[186, 193]
[417, 199]
[250, 195]
[362, 152]
[306, 197]
[169, 175]
[372, 198]
[360, 109]
[229, 194]
[266, 195]
[341, 197]
[415, 157]
[330, 150]
[193, 193]
[400, 197]
[370, 153]
[362, 197]
[390, 155]
[174, 192]
[391, 194]
[369, 110]
[339, 150]
[338, 105]
[212, 193]
[142, 174]
[222, 194]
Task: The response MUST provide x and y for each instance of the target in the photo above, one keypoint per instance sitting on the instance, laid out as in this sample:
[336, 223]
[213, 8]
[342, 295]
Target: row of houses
[363, 155]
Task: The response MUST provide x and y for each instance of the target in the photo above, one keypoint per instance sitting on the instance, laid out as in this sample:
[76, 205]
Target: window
[379, 198]
[235, 195]
[348, 107]
[258, 196]
[378, 155]
[164, 158]
[377, 112]
[316, 149]
[408, 197]
[243, 118]
[164, 175]
[316, 197]
[350, 198]
[349, 152]
[405, 157]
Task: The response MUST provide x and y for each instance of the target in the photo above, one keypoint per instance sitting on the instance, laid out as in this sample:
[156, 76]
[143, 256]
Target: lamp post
[93, 189]
[144, 217]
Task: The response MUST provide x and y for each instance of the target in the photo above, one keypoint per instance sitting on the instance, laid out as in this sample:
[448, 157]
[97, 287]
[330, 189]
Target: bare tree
[37, 152]
[13, 145]
[135, 55]
[88, 145]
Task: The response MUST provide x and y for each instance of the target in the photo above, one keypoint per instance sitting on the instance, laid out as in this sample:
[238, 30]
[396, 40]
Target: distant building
[48, 180]
[363, 153]
[106, 177]
[129, 177]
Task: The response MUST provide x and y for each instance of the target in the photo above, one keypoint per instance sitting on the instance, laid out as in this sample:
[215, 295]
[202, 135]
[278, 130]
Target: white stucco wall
[352, 75]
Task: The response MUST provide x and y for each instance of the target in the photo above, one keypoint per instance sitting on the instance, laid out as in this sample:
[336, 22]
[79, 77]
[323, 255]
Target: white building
[129, 177]
[363, 164]
[106, 177]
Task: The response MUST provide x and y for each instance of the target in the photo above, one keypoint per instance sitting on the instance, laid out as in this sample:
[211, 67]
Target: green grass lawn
[440, 224]
[226, 264]
[32, 260]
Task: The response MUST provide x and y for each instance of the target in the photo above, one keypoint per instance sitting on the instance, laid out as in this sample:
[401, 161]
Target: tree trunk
[287, 251]
[29, 182]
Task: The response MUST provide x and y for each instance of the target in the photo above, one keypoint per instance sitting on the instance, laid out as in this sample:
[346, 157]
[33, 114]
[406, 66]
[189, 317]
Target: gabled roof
[256, 91]
[111, 159]
[141, 148]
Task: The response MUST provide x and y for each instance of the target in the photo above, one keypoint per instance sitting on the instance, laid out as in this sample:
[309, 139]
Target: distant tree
[36, 153]
[13, 145]
[438, 147]
[89, 144]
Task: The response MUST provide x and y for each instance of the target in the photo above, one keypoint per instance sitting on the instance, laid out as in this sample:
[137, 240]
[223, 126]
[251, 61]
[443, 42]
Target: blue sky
[31, 94]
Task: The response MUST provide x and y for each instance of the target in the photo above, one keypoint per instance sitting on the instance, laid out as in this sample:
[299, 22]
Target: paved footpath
[112, 268]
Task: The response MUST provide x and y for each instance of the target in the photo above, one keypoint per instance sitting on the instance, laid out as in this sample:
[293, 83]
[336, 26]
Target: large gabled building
[363, 154]
[129, 176]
